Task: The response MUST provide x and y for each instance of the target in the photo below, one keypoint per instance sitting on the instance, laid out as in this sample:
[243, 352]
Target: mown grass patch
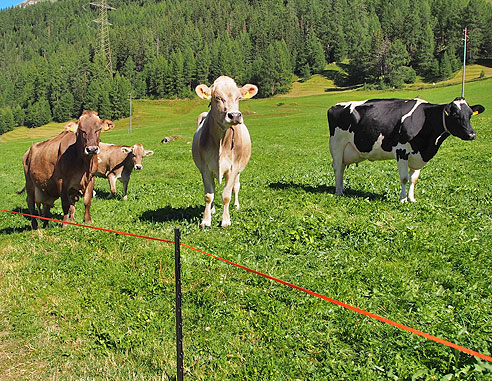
[87, 304]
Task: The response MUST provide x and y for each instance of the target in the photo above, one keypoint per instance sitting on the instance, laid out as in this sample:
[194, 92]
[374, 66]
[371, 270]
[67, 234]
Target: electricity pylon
[104, 44]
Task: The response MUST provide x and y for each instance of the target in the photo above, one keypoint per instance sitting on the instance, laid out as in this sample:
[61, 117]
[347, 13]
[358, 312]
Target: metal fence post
[179, 318]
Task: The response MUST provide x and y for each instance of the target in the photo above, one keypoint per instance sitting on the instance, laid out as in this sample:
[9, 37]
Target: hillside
[52, 66]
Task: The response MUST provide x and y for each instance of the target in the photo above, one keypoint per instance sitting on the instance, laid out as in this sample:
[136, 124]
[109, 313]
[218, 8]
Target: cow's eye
[219, 99]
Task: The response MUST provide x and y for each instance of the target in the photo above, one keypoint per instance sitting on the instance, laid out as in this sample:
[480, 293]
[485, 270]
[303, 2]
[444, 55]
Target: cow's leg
[112, 183]
[403, 169]
[125, 181]
[32, 207]
[46, 213]
[231, 179]
[414, 175]
[338, 165]
[68, 208]
[88, 201]
[235, 189]
[209, 188]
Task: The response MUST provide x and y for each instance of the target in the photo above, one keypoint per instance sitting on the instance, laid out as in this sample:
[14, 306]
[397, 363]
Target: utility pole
[130, 112]
[104, 43]
[464, 63]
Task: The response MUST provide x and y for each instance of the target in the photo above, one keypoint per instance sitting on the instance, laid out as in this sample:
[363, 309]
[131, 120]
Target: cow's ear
[71, 126]
[203, 91]
[107, 125]
[126, 149]
[249, 91]
[149, 153]
[477, 109]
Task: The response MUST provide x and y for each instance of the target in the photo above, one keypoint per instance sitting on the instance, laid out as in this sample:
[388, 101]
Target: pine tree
[189, 69]
[19, 115]
[315, 54]
[63, 108]
[129, 70]
[8, 119]
[120, 97]
[105, 107]
[93, 96]
[176, 66]
[445, 68]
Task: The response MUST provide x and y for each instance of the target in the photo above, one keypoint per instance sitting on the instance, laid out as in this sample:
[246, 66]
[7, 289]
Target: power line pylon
[104, 43]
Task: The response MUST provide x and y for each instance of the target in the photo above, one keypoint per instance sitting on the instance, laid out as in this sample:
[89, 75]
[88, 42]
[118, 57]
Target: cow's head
[137, 152]
[224, 96]
[457, 116]
[89, 132]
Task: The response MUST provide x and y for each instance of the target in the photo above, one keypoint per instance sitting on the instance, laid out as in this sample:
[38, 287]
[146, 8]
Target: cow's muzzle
[92, 150]
[235, 117]
[138, 167]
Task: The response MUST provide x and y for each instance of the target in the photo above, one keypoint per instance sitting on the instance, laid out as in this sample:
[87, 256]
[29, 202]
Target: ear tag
[72, 130]
[446, 112]
[205, 95]
[475, 112]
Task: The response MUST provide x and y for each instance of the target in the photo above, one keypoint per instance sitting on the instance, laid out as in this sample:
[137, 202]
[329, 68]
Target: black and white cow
[408, 130]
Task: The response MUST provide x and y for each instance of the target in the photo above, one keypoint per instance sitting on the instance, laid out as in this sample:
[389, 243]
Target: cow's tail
[22, 190]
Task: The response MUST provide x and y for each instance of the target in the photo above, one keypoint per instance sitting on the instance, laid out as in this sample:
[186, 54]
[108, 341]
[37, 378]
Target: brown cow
[221, 144]
[116, 162]
[64, 167]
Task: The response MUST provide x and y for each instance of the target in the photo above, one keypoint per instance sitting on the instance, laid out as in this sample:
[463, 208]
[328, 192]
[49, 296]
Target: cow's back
[110, 158]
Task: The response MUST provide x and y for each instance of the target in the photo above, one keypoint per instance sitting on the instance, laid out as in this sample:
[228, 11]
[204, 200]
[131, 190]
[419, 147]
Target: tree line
[52, 69]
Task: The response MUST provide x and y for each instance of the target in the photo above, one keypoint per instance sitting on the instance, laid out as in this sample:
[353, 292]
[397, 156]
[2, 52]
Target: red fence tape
[341, 304]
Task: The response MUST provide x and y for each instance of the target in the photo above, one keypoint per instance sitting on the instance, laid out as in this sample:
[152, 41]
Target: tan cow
[116, 162]
[221, 144]
[64, 167]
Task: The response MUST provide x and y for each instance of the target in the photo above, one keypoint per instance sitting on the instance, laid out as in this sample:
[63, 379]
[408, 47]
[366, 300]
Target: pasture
[83, 304]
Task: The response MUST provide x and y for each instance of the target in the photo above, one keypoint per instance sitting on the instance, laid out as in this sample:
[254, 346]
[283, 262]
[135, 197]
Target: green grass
[85, 304]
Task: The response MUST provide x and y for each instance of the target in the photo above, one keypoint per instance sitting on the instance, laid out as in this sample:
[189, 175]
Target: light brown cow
[64, 167]
[221, 144]
[116, 162]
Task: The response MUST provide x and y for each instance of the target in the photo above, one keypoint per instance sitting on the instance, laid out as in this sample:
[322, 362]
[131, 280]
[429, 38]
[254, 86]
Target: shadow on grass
[102, 194]
[169, 213]
[327, 189]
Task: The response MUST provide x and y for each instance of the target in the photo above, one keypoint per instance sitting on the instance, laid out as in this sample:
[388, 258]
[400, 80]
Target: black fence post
[179, 318]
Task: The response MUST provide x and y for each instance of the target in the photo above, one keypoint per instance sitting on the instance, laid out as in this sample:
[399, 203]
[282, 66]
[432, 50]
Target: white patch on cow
[352, 104]
[460, 102]
[417, 104]
[415, 161]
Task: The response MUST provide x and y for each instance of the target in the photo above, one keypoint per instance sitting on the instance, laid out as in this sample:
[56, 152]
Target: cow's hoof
[125, 198]
[212, 211]
[205, 224]
[404, 200]
[225, 223]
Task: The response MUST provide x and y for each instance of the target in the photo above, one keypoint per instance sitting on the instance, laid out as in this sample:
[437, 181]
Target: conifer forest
[51, 66]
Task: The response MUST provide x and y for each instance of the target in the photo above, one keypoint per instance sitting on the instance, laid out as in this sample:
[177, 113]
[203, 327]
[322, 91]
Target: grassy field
[83, 304]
